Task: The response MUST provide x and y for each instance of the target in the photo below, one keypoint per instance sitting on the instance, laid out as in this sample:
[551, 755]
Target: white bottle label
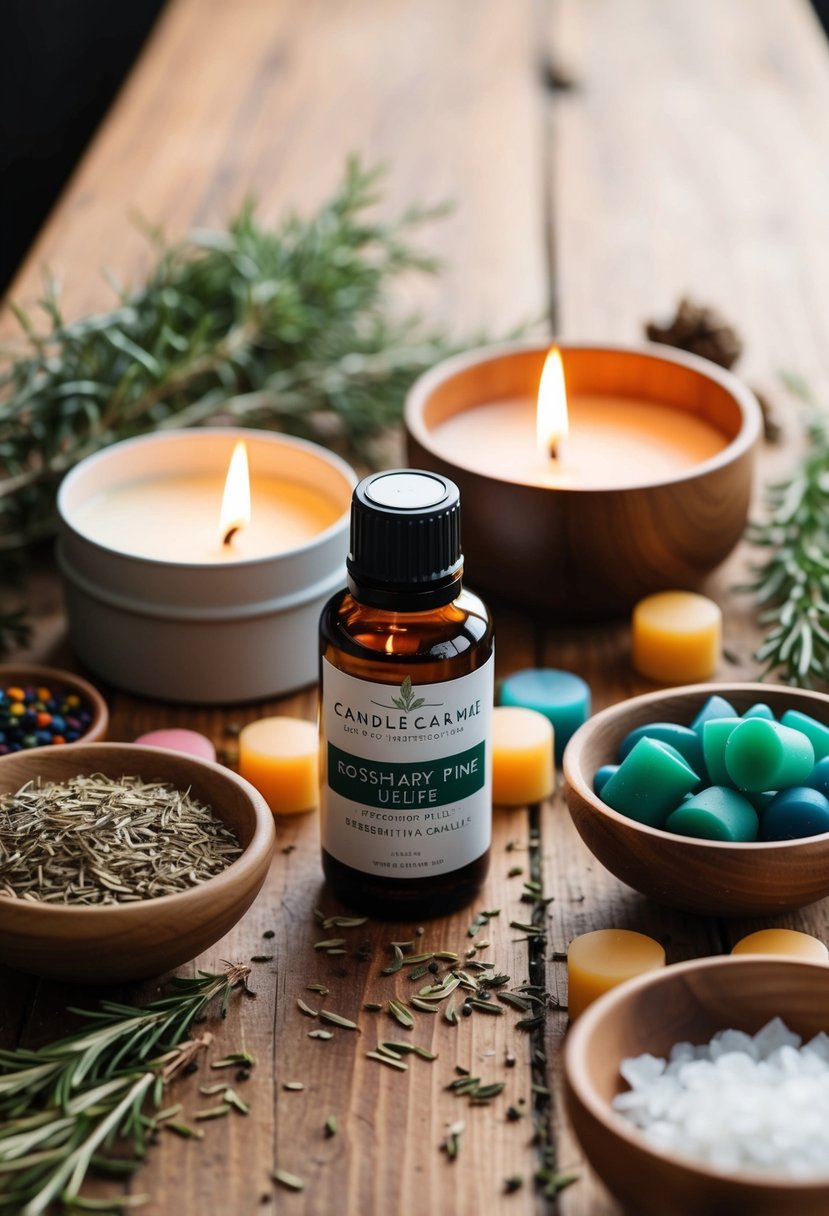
[407, 772]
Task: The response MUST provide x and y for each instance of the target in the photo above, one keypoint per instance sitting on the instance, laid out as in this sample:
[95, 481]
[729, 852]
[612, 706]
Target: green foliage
[287, 328]
[791, 581]
[63, 1106]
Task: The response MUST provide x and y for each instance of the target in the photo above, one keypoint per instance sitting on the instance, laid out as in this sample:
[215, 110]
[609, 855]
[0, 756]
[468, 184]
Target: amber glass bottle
[406, 686]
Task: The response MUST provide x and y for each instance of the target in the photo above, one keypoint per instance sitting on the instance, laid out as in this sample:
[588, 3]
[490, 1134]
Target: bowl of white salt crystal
[704, 1088]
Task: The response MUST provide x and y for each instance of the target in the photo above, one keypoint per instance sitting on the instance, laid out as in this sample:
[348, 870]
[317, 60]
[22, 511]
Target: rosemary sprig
[287, 328]
[791, 582]
[64, 1105]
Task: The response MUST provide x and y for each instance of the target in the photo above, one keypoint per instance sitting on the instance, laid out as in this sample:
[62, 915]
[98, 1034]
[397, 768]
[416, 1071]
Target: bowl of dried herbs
[118, 862]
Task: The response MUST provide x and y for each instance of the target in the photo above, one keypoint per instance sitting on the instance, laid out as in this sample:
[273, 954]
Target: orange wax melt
[598, 961]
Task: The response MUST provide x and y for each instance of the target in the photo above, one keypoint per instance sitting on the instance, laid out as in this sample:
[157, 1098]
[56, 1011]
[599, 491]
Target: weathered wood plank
[449, 103]
[689, 159]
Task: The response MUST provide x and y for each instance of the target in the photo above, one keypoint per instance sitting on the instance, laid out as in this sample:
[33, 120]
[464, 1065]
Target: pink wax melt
[179, 740]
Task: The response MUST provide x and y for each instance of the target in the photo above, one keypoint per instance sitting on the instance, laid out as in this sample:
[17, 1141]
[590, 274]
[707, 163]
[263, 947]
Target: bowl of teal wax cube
[710, 798]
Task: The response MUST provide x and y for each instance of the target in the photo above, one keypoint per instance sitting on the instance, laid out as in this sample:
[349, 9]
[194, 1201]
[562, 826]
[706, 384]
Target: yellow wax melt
[787, 942]
[598, 961]
[280, 756]
[676, 637]
[522, 756]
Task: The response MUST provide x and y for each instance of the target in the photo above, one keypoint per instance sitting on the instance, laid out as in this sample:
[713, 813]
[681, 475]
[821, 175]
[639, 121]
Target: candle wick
[229, 535]
[553, 448]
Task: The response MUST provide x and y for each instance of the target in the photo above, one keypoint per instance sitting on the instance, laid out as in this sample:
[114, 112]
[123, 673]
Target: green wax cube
[715, 734]
[716, 813]
[649, 783]
[761, 755]
[686, 741]
[714, 707]
[760, 710]
[815, 732]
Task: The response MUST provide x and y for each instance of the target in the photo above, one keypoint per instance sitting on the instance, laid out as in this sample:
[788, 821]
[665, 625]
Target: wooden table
[691, 154]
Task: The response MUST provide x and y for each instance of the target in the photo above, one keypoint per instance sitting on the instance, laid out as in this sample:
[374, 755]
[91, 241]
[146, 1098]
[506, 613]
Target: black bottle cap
[405, 537]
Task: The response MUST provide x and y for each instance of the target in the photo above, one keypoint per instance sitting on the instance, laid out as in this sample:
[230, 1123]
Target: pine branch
[64, 1104]
[791, 582]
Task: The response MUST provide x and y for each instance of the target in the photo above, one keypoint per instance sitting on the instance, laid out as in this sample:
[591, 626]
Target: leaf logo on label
[407, 700]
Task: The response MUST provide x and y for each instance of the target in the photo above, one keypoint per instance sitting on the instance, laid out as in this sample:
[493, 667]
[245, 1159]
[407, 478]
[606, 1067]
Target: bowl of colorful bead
[714, 798]
[40, 706]
[118, 862]
[702, 1087]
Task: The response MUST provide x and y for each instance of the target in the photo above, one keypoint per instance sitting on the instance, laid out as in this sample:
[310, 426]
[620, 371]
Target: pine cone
[701, 330]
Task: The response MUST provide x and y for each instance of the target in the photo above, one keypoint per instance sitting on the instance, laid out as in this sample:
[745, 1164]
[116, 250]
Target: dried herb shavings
[97, 840]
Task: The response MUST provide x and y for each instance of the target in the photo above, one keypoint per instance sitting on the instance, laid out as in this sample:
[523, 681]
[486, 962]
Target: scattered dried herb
[331, 1126]
[400, 1013]
[400, 1065]
[291, 1182]
[336, 1019]
[452, 1144]
[234, 1058]
[103, 840]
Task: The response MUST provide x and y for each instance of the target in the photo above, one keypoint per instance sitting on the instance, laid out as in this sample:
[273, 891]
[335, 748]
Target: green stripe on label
[431, 783]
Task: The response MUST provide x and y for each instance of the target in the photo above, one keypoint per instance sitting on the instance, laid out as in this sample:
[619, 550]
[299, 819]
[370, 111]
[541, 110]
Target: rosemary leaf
[84, 1093]
[790, 581]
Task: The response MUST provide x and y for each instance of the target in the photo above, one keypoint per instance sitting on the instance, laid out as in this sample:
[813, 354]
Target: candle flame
[235, 513]
[552, 423]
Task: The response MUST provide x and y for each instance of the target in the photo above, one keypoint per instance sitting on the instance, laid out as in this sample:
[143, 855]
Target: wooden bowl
[686, 1002]
[708, 876]
[580, 552]
[136, 940]
[66, 681]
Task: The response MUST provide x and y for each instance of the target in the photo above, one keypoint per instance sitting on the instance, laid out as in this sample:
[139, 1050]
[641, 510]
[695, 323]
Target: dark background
[61, 63]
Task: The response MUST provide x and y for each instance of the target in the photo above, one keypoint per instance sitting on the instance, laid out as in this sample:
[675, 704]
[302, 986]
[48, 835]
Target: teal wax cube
[761, 755]
[649, 783]
[561, 696]
[815, 732]
[715, 732]
[760, 799]
[818, 779]
[714, 707]
[602, 776]
[686, 741]
[715, 813]
[760, 710]
[795, 813]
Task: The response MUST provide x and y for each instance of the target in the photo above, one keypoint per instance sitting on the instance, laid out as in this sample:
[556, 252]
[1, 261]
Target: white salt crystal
[641, 1070]
[773, 1035]
[732, 1040]
[819, 1045]
[738, 1102]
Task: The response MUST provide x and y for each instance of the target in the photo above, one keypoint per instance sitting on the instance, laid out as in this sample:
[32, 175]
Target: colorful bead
[36, 716]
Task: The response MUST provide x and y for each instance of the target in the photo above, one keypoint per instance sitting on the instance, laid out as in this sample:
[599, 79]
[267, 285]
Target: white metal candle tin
[201, 631]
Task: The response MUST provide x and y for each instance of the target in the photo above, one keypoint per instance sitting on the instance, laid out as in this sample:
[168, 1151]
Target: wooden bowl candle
[713, 877]
[105, 943]
[686, 1002]
[648, 489]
